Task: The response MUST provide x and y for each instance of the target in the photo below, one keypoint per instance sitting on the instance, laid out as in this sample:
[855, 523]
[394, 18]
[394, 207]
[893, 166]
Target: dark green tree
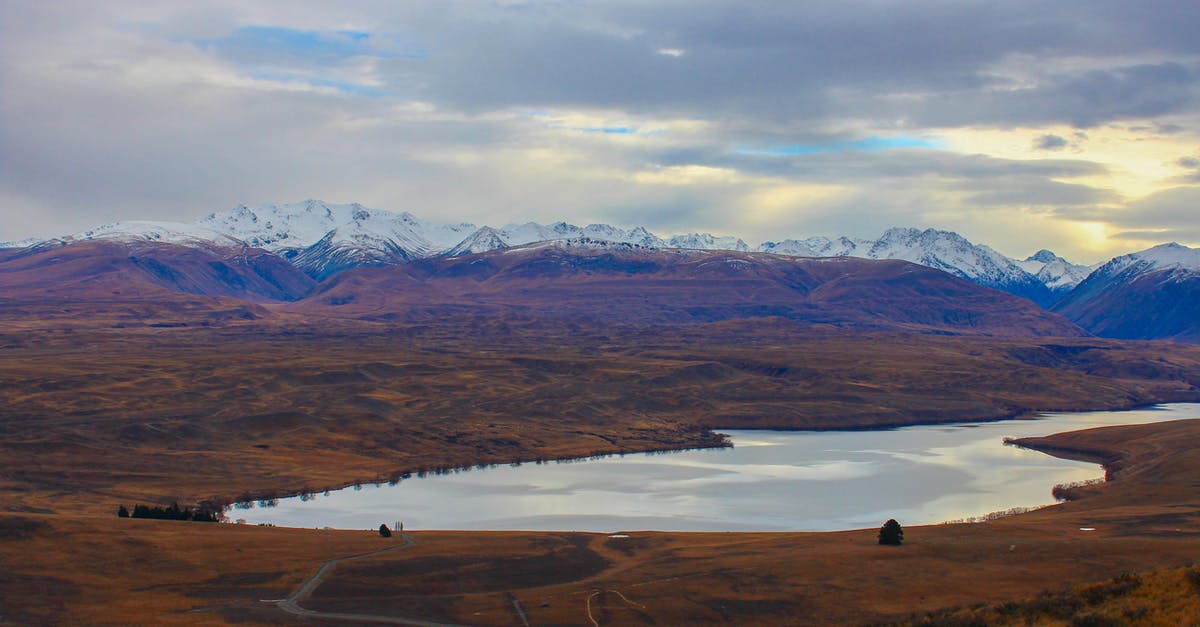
[384, 531]
[122, 512]
[891, 533]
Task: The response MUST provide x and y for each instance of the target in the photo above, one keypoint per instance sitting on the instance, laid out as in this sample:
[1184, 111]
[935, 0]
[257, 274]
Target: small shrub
[384, 531]
[891, 533]
[1008, 608]
[1053, 605]
[1135, 613]
[1094, 620]
[1193, 577]
[1101, 592]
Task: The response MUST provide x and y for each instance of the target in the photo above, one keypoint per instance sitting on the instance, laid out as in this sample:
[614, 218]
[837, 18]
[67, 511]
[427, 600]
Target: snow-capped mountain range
[323, 239]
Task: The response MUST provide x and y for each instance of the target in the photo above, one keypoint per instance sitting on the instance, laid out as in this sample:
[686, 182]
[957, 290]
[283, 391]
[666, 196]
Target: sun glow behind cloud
[1137, 159]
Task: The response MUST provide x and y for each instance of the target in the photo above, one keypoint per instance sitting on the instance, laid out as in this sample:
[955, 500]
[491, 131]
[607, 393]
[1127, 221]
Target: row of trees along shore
[201, 513]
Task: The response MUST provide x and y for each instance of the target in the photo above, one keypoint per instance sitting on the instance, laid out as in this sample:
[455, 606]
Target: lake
[768, 481]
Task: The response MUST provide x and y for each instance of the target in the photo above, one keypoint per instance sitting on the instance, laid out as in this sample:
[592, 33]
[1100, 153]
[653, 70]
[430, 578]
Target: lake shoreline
[709, 431]
[545, 495]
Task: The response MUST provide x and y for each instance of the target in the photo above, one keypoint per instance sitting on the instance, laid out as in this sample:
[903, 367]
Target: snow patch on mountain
[481, 241]
[1150, 294]
[1056, 273]
[579, 243]
[21, 243]
[530, 232]
[818, 247]
[140, 231]
[950, 252]
[297, 226]
[1171, 256]
[705, 241]
[943, 250]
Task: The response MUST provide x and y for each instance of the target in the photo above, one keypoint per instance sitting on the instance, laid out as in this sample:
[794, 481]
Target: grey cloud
[84, 143]
[813, 61]
[1084, 100]
[1050, 142]
[912, 164]
[1136, 91]
[1036, 191]
[1182, 234]
[1177, 205]
[816, 61]
[1191, 176]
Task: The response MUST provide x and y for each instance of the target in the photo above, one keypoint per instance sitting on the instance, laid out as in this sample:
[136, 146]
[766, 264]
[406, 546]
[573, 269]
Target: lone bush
[384, 531]
[891, 533]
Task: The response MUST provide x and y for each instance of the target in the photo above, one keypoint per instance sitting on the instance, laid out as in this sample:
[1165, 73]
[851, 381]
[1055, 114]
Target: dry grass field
[92, 417]
[95, 417]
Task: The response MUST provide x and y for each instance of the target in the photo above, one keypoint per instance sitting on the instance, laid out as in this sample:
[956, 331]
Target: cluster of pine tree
[171, 512]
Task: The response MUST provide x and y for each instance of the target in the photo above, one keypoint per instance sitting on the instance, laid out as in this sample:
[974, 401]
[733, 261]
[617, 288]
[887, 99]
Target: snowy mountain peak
[705, 241]
[1056, 273]
[948, 251]
[563, 229]
[642, 237]
[21, 243]
[818, 247]
[481, 241]
[297, 226]
[1170, 256]
[1043, 256]
[143, 232]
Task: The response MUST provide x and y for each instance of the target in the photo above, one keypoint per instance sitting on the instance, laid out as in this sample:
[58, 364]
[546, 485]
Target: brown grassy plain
[93, 416]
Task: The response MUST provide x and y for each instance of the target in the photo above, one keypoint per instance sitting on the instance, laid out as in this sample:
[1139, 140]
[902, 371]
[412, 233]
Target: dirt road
[292, 603]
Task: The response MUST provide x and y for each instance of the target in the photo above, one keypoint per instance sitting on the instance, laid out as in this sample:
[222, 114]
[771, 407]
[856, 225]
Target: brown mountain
[151, 282]
[604, 282]
[1156, 305]
[1152, 294]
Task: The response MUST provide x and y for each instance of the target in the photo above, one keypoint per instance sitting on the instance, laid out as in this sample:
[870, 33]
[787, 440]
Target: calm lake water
[769, 481]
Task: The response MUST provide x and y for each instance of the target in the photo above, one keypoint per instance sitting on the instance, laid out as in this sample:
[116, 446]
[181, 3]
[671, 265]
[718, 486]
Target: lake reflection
[769, 481]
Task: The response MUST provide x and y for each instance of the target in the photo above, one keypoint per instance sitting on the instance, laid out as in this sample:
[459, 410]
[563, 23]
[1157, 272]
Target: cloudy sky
[1073, 125]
